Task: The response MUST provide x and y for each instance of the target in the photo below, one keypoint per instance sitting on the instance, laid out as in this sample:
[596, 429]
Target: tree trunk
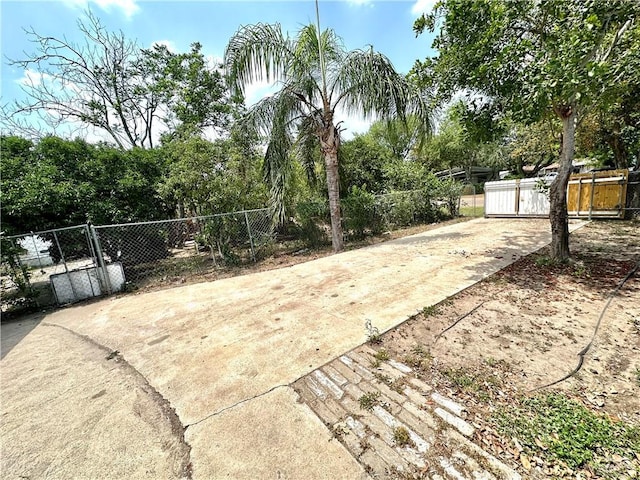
[558, 190]
[329, 144]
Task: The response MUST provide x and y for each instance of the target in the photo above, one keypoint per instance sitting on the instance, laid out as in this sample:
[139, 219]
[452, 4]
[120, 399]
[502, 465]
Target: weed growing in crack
[382, 355]
[398, 386]
[421, 350]
[381, 377]
[430, 310]
[402, 438]
[419, 358]
[373, 334]
[369, 400]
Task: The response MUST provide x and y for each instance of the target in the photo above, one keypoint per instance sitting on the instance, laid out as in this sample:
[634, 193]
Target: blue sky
[386, 25]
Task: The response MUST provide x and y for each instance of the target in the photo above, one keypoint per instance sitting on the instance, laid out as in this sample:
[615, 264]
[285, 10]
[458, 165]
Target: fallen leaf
[524, 460]
[540, 444]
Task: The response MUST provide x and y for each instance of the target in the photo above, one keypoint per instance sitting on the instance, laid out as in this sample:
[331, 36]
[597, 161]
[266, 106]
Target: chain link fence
[47, 267]
[471, 203]
[71, 264]
[173, 249]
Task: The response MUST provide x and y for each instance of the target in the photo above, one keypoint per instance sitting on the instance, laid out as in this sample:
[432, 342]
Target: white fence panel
[515, 198]
[533, 202]
[500, 198]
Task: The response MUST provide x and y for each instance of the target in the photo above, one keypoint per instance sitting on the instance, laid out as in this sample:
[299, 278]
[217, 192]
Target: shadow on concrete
[12, 332]
[518, 246]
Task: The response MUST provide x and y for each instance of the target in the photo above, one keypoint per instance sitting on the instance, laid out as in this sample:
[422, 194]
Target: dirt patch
[522, 329]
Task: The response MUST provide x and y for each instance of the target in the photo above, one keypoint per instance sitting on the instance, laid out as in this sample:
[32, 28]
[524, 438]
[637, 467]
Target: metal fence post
[66, 269]
[36, 249]
[92, 249]
[593, 191]
[103, 267]
[246, 219]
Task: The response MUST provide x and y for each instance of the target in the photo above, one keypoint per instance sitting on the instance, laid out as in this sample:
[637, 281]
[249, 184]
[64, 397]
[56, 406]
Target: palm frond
[278, 115]
[306, 147]
[276, 171]
[257, 52]
[283, 108]
[368, 84]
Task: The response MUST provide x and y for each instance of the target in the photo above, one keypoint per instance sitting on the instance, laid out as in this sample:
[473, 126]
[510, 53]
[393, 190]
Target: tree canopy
[108, 82]
[56, 183]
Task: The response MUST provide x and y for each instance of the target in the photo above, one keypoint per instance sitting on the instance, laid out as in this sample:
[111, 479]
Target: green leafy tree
[535, 57]
[399, 137]
[612, 133]
[212, 177]
[57, 183]
[535, 145]
[317, 76]
[193, 92]
[109, 83]
[467, 136]
[363, 163]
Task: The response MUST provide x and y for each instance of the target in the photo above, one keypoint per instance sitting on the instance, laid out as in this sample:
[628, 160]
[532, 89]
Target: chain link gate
[48, 267]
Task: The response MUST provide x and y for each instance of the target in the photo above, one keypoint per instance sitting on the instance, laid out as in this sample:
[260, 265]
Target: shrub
[448, 191]
[311, 217]
[359, 212]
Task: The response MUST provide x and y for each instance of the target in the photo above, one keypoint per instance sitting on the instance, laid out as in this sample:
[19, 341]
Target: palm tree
[317, 76]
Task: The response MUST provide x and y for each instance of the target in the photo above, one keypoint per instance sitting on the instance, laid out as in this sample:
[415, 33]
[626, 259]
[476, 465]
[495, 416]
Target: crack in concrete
[176, 425]
[238, 403]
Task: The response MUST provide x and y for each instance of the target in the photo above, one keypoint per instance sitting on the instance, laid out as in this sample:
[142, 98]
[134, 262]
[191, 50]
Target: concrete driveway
[223, 354]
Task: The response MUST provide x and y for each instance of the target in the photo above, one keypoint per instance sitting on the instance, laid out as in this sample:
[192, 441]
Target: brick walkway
[394, 424]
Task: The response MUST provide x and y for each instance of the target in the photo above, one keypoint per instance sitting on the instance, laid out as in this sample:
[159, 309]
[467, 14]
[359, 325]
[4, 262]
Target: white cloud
[128, 7]
[422, 6]
[34, 79]
[31, 78]
[360, 2]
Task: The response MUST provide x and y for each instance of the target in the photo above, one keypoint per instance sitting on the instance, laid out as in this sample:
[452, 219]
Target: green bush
[359, 213]
[448, 191]
[311, 217]
[399, 209]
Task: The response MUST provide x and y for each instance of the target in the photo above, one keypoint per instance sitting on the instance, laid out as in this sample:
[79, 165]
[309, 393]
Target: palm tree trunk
[329, 144]
[558, 191]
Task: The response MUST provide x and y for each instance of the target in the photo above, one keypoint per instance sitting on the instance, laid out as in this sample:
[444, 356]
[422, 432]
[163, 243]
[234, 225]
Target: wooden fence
[597, 194]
